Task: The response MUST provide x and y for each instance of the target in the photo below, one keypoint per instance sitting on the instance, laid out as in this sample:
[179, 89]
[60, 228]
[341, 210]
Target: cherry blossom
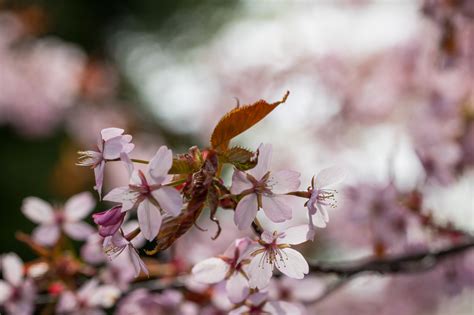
[229, 267]
[322, 197]
[91, 298]
[274, 250]
[17, 293]
[117, 244]
[257, 303]
[112, 145]
[54, 221]
[261, 188]
[149, 193]
[109, 221]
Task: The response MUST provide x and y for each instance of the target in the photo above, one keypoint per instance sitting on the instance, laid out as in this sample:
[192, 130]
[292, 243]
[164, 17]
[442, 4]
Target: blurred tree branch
[408, 263]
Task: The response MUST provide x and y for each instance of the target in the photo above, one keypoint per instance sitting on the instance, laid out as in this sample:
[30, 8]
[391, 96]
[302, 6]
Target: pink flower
[109, 221]
[17, 294]
[274, 250]
[90, 299]
[111, 146]
[230, 267]
[52, 222]
[117, 244]
[148, 192]
[263, 189]
[257, 304]
[321, 197]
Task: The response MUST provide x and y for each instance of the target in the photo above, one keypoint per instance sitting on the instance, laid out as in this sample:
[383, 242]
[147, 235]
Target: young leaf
[241, 158]
[240, 119]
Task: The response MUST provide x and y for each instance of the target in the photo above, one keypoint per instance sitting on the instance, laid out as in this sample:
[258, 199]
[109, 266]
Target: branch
[417, 262]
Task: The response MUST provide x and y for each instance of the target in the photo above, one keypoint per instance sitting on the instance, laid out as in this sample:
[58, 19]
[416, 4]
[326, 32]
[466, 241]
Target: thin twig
[409, 263]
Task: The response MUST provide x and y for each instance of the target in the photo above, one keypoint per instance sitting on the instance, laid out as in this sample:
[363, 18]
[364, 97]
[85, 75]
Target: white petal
[284, 181]
[5, 291]
[122, 195]
[239, 182]
[79, 206]
[263, 163]
[78, 230]
[324, 212]
[246, 211]
[211, 270]
[37, 210]
[12, 268]
[46, 234]
[112, 148]
[319, 220]
[237, 288]
[329, 176]
[67, 303]
[137, 262]
[294, 264]
[127, 162]
[99, 177]
[276, 208]
[170, 200]
[160, 164]
[105, 296]
[295, 235]
[149, 219]
[281, 308]
[109, 133]
[260, 272]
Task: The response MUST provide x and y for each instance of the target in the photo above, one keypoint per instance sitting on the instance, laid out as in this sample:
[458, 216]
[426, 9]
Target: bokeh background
[382, 88]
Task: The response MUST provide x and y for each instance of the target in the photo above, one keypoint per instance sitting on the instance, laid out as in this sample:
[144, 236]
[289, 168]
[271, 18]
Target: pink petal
[324, 213]
[160, 164]
[137, 262]
[258, 298]
[12, 268]
[294, 265]
[264, 159]
[78, 230]
[260, 272]
[284, 181]
[79, 206]
[149, 219]
[128, 162]
[294, 235]
[311, 228]
[276, 208]
[67, 302]
[319, 220]
[122, 195]
[239, 182]
[5, 291]
[281, 308]
[212, 270]
[46, 234]
[109, 133]
[237, 288]
[37, 210]
[329, 176]
[112, 148]
[99, 177]
[267, 237]
[170, 200]
[246, 211]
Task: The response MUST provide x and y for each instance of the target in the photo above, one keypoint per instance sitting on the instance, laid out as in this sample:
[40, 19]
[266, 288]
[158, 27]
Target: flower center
[327, 197]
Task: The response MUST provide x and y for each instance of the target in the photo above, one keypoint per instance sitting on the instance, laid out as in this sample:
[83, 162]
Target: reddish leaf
[240, 119]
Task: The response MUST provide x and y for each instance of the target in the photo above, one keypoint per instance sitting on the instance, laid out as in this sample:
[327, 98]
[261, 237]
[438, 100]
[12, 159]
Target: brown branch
[408, 263]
